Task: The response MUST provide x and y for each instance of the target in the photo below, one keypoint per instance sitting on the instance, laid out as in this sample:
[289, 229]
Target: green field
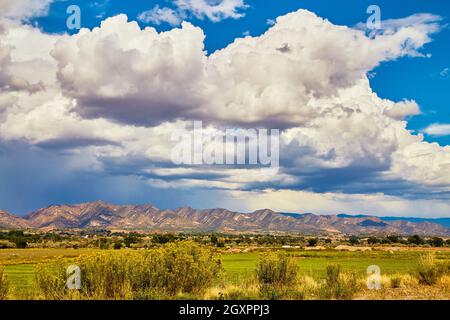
[19, 264]
[238, 265]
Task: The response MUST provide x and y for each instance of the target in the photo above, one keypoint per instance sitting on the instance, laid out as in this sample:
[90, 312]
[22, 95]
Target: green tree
[353, 240]
[214, 239]
[163, 238]
[102, 243]
[437, 242]
[130, 239]
[312, 242]
[220, 244]
[415, 239]
[20, 243]
[394, 238]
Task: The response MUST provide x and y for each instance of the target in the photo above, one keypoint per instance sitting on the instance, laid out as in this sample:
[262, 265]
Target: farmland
[313, 263]
[239, 268]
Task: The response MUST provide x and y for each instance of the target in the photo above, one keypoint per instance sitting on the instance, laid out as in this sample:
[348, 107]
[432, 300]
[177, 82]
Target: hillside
[149, 218]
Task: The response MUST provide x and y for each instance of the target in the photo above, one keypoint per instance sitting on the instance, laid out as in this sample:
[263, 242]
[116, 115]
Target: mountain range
[442, 221]
[104, 215]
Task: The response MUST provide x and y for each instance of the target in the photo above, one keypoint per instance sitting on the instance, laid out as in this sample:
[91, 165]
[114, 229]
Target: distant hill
[442, 221]
[104, 215]
[10, 221]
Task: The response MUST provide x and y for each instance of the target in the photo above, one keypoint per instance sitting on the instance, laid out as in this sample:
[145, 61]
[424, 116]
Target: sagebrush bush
[395, 282]
[444, 283]
[50, 280]
[333, 273]
[176, 269]
[429, 271]
[338, 285]
[277, 275]
[4, 285]
[235, 293]
[277, 270]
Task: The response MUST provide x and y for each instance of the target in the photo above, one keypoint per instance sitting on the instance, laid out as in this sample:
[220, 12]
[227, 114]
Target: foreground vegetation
[191, 270]
[174, 269]
[117, 265]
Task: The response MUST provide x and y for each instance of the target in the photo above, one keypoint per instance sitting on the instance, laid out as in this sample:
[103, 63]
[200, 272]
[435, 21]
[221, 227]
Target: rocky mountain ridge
[104, 215]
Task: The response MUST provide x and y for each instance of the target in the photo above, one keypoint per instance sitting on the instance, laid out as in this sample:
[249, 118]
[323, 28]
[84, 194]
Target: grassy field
[239, 265]
[19, 263]
[31, 256]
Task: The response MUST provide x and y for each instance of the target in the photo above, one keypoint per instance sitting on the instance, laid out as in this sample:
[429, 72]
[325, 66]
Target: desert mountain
[147, 217]
[10, 221]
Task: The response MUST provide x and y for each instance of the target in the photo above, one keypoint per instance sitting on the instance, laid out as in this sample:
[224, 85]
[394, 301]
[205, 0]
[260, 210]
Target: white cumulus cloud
[438, 130]
[251, 81]
[158, 15]
[23, 9]
[119, 91]
[214, 10]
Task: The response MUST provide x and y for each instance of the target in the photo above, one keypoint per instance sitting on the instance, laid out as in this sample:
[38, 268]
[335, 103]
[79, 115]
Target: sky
[363, 113]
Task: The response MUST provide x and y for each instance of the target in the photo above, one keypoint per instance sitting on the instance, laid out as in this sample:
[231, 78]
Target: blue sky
[418, 79]
[88, 116]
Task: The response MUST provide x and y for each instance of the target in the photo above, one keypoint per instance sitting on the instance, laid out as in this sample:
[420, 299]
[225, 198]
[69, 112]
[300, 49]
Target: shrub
[214, 239]
[338, 285]
[247, 289]
[353, 240]
[429, 271]
[276, 275]
[437, 242]
[348, 286]
[312, 242]
[50, 280]
[234, 294]
[408, 281]
[415, 239]
[186, 267]
[308, 286]
[5, 244]
[333, 273]
[131, 239]
[102, 243]
[373, 240]
[4, 285]
[117, 245]
[393, 239]
[220, 244]
[20, 242]
[176, 269]
[277, 270]
[163, 238]
[444, 283]
[396, 282]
